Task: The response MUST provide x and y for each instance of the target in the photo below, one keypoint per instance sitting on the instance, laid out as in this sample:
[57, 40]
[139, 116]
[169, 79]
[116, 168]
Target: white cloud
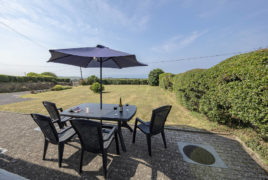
[110, 14]
[178, 42]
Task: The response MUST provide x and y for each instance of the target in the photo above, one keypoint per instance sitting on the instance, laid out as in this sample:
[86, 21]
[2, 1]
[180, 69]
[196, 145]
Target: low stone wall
[28, 86]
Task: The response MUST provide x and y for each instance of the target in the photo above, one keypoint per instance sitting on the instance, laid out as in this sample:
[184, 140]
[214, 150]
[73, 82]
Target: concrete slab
[5, 175]
[8, 98]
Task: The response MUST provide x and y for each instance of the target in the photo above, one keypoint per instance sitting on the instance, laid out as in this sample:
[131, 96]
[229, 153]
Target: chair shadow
[169, 163]
[73, 161]
[164, 163]
[30, 170]
[136, 163]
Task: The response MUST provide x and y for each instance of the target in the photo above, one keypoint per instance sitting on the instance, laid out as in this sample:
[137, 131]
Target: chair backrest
[52, 110]
[47, 127]
[158, 119]
[89, 133]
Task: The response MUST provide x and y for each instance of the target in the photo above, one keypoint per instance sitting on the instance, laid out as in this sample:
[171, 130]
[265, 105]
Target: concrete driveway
[8, 98]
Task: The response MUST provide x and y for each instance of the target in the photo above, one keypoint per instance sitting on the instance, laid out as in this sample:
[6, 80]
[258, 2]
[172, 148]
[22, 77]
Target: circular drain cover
[199, 154]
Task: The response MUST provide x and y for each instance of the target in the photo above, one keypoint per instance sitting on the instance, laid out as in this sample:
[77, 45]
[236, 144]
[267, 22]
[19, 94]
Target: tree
[32, 74]
[92, 79]
[153, 78]
[49, 74]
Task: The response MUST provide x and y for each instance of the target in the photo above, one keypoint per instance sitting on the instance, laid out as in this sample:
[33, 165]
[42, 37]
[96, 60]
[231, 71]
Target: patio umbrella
[92, 57]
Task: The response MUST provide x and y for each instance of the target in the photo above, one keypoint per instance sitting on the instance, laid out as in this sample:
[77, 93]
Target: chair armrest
[108, 136]
[65, 118]
[54, 121]
[64, 129]
[141, 121]
[60, 109]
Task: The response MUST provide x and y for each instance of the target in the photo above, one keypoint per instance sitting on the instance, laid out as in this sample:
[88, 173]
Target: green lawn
[145, 98]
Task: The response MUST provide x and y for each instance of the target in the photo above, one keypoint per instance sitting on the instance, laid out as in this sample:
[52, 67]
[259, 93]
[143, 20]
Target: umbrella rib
[116, 63]
[107, 59]
[59, 58]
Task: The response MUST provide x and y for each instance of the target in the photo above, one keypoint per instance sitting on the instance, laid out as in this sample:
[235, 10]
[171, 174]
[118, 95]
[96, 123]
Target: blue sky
[154, 30]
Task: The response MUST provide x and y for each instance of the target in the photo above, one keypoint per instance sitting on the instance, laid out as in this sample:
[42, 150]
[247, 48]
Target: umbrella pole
[100, 83]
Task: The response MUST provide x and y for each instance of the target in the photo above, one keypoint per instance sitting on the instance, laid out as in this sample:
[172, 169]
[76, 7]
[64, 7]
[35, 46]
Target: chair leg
[149, 144]
[45, 149]
[164, 138]
[104, 161]
[134, 133]
[60, 149]
[123, 146]
[117, 143]
[81, 161]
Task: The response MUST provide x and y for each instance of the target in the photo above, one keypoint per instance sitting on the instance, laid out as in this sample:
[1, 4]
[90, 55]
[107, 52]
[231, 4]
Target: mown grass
[145, 98]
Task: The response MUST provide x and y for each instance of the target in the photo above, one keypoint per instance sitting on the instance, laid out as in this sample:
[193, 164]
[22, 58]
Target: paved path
[8, 98]
[25, 147]
[5, 175]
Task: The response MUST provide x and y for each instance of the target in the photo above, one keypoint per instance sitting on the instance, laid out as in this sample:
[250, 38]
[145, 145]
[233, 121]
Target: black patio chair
[51, 135]
[155, 126]
[95, 139]
[54, 114]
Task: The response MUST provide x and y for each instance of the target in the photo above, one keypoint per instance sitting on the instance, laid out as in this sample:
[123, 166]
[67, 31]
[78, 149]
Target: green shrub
[50, 74]
[65, 79]
[233, 92]
[32, 77]
[188, 89]
[32, 74]
[60, 87]
[20, 79]
[95, 87]
[4, 78]
[82, 82]
[92, 79]
[117, 81]
[153, 78]
[166, 81]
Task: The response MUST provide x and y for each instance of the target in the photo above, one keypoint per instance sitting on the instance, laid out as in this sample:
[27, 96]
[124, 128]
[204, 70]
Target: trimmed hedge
[125, 81]
[153, 77]
[166, 81]
[188, 88]
[7, 78]
[234, 92]
[60, 88]
[116, 81]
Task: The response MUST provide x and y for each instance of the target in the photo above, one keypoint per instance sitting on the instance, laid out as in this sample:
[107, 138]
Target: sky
[154, 30]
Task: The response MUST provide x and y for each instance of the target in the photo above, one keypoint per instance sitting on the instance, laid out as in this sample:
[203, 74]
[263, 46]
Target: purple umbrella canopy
[92, 57]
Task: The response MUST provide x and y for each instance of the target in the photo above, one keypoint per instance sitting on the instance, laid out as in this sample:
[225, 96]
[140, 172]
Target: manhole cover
[199, 154]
